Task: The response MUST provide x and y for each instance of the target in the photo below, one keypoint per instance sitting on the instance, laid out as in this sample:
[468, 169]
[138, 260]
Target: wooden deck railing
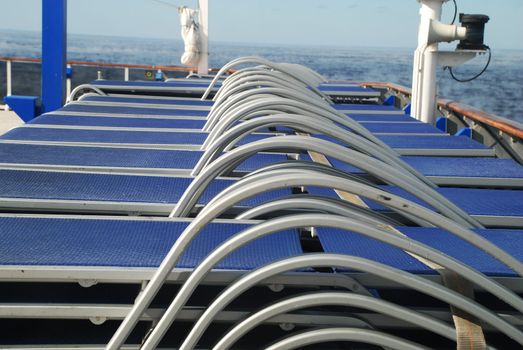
[505, 125]
[112, 65]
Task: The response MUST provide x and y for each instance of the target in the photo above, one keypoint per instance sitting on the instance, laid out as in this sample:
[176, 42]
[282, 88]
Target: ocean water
[498, 91]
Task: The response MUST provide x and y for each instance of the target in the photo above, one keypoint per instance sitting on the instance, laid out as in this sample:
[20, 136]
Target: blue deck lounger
[56, 119]
[492, 207]
[134, 110]
[344, 108]
[129, 243]
[431, 145]
[404, 144]
[157, 84]
[189, 87]
[87, 136]
[118, 158]
[196, 86]
[348, 90]
[362, 118]
[149, 100]
[124, 122]
[81, 192]
[343, 242]
[367, 108]
[458, 171]
[155, 194]
[479, 171]
[380, 117]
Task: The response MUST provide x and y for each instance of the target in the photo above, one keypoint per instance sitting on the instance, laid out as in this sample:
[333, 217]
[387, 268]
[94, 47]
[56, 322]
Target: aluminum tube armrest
[257, 60]
[312, 110]
[246, 72]
[302, 164]
[318, 204]
[284, 167]
[218, 111]
[76, 90]
[320, 78]
[258, 80]
[305, 220]
[239, 73]
[301, 122]
[302, 177]
[338, 299]
[210, 212]
[369, 164]
[326, 335]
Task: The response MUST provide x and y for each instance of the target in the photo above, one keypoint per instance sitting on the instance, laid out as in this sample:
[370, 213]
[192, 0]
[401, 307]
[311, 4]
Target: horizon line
[243, 42]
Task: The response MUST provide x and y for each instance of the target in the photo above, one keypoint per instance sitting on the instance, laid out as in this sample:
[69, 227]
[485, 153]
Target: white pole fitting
[203, 63]
[423, 103]
[440, 32]
[8, 78]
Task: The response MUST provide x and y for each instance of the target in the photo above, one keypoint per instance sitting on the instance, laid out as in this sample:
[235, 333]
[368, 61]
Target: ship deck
[86, 192]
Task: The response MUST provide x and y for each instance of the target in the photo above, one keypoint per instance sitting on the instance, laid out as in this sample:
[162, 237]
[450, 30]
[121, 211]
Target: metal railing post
[8, 81]
[126, 74]
[8, 77]
[68, 80]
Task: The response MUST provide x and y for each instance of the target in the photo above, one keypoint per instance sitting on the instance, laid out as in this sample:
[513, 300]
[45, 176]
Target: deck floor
[8, 120]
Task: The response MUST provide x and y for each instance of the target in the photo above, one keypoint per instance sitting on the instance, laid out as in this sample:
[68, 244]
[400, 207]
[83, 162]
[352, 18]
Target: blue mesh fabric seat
[144, 100]
[86, 120]
[134, 189]
[376, 117]
[151, 84]
[129, 243]
[475, 201]
[402, 128]
[347, 90]
[344, 242]
[364, 107]
[479, 169]
[117, 157]
[134, 110]
[114, 136]
[413, 142]
[189, 123]
[422, 142]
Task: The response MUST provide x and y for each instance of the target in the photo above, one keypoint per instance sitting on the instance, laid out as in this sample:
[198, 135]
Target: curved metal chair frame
[257, 79]
[318, 204]
[251, 104]
[233, 195]
[336, 299]
[304, 76]
[304, 123]
[371, 165]
[73, 95]
[240, 97]
[277, 225]
[275, 94]
[346, 335]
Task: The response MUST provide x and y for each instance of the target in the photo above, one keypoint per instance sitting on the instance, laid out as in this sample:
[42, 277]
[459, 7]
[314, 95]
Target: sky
[346, 23]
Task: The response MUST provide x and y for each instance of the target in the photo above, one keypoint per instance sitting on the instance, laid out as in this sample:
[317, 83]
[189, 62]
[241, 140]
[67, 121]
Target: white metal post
[126, 74]
[68, 83]
[8, 77]
[8, 81]
[423, 104]
[203, 64]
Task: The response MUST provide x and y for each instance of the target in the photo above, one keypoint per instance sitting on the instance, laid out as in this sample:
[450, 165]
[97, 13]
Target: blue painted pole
[54, 49]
